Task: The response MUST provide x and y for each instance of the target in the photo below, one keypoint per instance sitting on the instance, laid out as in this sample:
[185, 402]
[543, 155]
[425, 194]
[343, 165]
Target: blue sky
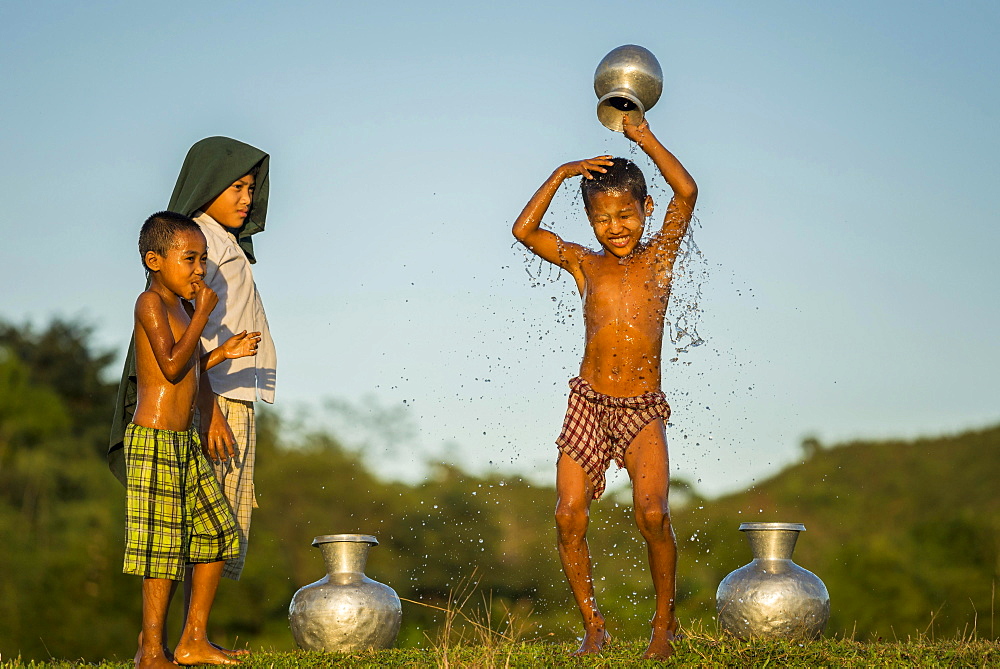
[845, 152]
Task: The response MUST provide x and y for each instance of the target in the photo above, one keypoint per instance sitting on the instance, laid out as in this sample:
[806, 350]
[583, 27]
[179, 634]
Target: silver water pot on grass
[772, 596]
[345, 611]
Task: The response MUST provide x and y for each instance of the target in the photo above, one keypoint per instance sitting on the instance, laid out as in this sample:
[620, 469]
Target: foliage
[903, 534]
[60, 522]
[62, 359]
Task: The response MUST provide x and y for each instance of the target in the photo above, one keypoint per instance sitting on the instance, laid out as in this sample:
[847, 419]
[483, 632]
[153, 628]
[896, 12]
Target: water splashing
[684, 311]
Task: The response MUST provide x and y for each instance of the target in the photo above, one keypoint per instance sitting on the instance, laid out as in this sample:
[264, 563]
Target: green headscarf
[211, 166]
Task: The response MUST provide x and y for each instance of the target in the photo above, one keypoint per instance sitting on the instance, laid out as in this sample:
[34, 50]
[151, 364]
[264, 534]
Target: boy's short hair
[158, 232]
[623, 175]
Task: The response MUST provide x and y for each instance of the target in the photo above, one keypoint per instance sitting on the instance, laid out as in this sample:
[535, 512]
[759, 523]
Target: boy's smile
[183, 268]
[231, 207]
[618, 220]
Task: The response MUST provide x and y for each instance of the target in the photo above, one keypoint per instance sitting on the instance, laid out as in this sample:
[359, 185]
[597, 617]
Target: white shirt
[228, 273]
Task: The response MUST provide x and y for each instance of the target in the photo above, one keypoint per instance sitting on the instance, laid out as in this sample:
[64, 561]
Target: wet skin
[194, 646]
[625, 288]
[624, 303]
[168, 335]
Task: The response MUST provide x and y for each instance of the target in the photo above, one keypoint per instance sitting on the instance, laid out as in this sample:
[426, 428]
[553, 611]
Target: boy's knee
[653, 516]
[571, 518]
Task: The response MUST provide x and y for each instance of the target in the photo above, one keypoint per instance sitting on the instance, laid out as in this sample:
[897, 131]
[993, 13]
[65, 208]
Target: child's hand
[637, 133]
[205, 298]
[241, 345]
[585, 167]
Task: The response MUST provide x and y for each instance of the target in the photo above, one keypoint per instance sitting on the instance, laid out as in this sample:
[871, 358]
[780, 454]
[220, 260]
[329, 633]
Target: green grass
[697, 650]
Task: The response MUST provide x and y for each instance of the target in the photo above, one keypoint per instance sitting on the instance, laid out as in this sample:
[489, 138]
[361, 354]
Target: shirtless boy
[616, 408]
[175, 515]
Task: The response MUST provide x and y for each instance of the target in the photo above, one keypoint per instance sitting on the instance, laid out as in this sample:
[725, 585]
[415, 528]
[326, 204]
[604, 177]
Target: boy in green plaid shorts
[176, 515]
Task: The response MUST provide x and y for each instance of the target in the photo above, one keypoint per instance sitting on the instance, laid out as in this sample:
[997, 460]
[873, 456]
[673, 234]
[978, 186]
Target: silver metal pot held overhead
[628, 81]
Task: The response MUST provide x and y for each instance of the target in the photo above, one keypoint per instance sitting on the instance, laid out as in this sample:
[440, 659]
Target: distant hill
[904, 534]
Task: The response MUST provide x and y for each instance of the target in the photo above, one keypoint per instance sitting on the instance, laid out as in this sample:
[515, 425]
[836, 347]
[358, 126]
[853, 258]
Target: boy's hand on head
[241, 345]
[585, 167]
[205, 298]
[637, 133]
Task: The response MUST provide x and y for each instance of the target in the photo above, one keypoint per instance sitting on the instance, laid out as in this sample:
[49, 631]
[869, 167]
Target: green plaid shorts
[175, 513]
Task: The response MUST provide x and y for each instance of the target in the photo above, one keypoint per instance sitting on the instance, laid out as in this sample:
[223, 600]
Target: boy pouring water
[616, 407]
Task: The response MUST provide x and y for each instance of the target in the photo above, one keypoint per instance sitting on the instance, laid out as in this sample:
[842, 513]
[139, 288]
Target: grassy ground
[697, 650]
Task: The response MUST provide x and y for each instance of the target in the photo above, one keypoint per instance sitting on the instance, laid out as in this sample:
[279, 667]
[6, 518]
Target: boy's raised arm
[681, 206]
[544, 243]
[173, 357]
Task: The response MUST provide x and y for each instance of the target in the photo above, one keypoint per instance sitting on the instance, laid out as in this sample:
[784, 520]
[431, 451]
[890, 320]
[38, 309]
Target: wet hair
[159, 230]
[623, 175]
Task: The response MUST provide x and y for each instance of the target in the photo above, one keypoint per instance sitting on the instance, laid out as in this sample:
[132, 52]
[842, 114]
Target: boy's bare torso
[625, 285]
[164, 404]
[624, 306]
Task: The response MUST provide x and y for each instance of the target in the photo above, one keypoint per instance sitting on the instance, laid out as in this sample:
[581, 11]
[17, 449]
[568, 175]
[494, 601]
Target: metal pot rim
[355, 538]
[794, 527]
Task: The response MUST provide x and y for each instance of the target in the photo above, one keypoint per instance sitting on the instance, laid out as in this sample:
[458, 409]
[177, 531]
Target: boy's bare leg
[166, 649]
[575, 491]
[156, 594]
[188, 580]
[649, 468]
[187, 607]
[194, 646]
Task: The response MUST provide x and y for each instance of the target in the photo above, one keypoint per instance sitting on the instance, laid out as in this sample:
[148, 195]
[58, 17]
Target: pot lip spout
[794, 527]
[353, 538]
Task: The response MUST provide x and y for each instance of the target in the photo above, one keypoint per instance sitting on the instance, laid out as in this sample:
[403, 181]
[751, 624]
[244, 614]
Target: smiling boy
[176, 515]
[617, 410]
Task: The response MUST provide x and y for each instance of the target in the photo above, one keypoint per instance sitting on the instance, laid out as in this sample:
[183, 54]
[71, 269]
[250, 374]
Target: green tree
[59, 515]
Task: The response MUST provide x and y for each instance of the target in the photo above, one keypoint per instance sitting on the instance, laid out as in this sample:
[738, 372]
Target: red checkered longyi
[599, 428]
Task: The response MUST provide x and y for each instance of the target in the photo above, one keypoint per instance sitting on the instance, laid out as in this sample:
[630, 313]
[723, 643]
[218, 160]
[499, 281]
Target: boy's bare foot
[594, 638]
[152, 660]
[661, 645]
[170, 656]
[138, 653]
[202, 652]
[231, 651]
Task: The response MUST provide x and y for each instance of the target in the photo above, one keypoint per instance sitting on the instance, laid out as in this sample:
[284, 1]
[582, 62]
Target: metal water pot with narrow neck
[345, 611]
[628, 82]
[772, 596]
